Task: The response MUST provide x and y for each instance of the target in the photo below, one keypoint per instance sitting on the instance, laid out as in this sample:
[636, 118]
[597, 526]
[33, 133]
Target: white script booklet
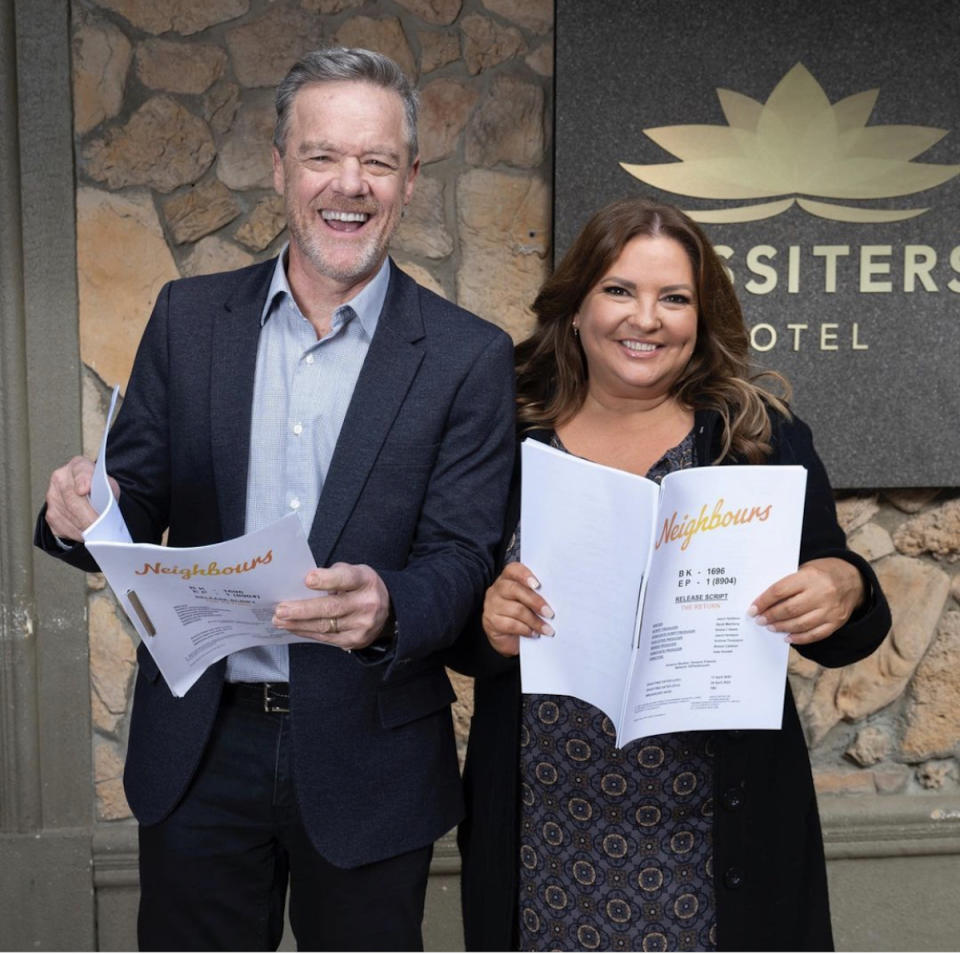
[650, 588]
[194, 605]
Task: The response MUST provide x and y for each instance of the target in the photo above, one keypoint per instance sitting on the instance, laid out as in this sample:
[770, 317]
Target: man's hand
[68, 510]
[812, 603]
[351, 614]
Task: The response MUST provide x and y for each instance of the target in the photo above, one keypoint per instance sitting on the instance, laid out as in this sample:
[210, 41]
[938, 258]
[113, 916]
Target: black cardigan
[769, 870]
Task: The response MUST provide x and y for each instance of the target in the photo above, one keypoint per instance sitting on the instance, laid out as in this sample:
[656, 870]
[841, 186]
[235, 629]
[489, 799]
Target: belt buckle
[269, 705]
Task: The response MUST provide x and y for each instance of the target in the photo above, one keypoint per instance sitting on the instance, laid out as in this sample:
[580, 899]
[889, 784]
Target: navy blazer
[769, 876]
[416, 489]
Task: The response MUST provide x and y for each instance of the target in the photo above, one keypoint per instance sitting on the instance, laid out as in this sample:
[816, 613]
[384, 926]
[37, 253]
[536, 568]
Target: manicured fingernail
[547, 629]
[752, 610]
[546, 612]
[761, 621]
[280, 612]
[533, 634]
[788, 639]
[533, 583]
[773, 629]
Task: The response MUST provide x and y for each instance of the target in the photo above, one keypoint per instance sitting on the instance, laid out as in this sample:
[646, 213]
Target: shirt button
[309, 359]
[295, 503]
[298, 429]
[733, 878]
[732, 799]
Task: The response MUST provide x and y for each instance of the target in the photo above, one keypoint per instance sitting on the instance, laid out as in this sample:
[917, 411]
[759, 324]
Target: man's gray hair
[337, 65]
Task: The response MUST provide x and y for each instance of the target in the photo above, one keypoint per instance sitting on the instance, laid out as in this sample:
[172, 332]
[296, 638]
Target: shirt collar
[366, 304]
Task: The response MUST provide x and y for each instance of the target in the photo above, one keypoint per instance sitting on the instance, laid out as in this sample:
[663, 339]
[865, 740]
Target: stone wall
[173, 117]
[891, 723]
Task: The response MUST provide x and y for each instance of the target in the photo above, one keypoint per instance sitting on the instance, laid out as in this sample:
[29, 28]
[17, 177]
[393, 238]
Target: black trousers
[214, 874]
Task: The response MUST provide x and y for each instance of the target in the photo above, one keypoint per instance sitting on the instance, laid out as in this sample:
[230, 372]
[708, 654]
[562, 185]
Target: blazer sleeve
[821, 537]
[472, 653]
[137, 448]
[461, 519]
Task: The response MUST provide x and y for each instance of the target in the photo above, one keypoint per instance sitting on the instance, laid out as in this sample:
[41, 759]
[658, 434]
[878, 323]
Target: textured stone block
[200, 211]
[122, 263]
[911, 500]
[443, 12]
[179, 67]
[163, 146]
[101, 57]
[246, 157]
[533, 15]
[870, 746]
[541, 59]
[503, 226]
[214, 254]
[179, 16]
[855, 511]
[220, 105]
[112, 654]
[841, 782]
[264, 224]
[871, 541]
[437, 49]
[487, 43]
[422, 276]
[507, 126]
[936, 531]
[916, 593]
[445, 106]
[423, 230]
[108, 780]
[263, 50]
[385, 36]
[933, 710]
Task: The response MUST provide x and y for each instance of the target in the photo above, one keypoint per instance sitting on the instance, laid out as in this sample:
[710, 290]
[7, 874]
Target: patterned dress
[615, 844]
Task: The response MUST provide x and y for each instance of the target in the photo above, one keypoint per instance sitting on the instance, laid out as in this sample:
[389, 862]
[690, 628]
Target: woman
[706, 840]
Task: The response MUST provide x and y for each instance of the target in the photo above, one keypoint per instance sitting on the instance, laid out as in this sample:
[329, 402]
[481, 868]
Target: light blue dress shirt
[301, 393]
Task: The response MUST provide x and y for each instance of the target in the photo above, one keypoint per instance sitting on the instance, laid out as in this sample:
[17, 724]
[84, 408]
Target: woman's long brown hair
[552, 368]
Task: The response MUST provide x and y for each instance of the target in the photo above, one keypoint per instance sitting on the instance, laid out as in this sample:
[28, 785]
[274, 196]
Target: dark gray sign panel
[819, 146]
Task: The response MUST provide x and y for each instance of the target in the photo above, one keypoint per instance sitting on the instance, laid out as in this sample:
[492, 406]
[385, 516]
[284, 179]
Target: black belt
[262, 696]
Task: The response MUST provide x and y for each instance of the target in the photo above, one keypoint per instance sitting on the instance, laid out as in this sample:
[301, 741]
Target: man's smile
[341, 221]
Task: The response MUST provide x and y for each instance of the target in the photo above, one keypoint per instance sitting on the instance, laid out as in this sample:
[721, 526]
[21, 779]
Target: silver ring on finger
[334, 625]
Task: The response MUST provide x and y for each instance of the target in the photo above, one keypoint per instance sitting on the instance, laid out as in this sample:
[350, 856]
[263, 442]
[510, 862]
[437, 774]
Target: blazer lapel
[388, 370]
[233, 363]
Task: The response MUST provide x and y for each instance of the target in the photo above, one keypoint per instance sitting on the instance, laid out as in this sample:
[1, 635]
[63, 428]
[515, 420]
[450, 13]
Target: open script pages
[651, 585]
[192, 606]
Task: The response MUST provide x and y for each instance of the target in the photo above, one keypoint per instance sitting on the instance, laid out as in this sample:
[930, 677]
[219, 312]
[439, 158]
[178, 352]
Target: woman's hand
[512, 608]
[812, 603]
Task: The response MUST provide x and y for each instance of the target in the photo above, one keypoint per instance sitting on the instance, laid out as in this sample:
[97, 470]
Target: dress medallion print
[615, 844]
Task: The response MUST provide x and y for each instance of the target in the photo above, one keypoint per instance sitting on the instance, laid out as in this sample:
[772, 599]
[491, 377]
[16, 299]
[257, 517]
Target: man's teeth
[345, 216]
[638, 346]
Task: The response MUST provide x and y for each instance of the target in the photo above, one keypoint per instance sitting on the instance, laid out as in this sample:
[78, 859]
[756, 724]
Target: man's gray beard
[368, 263]
[362, 268]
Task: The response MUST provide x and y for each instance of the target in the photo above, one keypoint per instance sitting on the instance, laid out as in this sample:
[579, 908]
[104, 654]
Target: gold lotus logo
[796, 143]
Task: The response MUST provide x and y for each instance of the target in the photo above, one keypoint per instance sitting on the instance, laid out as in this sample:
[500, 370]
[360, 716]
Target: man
[326, 383]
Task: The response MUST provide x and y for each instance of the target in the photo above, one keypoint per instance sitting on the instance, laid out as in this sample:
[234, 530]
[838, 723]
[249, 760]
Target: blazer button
[732, 799]
[733, 878]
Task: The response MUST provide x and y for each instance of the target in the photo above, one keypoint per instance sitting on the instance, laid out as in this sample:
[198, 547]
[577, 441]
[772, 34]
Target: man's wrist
[64, 544]
[388, 635]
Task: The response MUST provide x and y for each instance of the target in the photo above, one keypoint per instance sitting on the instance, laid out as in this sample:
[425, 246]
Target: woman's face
[638, 324]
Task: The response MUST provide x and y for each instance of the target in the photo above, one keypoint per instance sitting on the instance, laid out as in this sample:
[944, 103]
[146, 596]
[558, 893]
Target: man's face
[345, 176]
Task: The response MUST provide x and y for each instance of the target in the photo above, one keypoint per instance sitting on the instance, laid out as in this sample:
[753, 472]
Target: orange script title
[211, 569]
[689, 527]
